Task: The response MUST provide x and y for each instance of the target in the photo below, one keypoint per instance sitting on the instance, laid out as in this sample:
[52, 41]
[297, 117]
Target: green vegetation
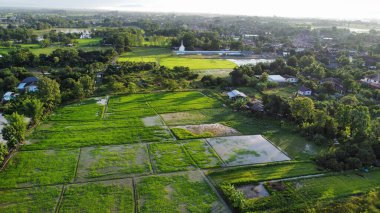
[41, 199]
[99, 197]
[263, 172]
[301, 194]
[41, 167]
[164, 57]
[170, 157]
[203, 155]
[179, 193]
[113, 161]
[181, 133]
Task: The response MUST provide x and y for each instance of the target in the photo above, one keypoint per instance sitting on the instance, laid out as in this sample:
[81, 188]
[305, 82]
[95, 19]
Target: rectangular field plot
[112, 196]
[203, 155]
[242, 150]
[170, 157]
[185, 192]
[113, 161]
[85, 110]
[133, 113]
[43, 199]
[103, 136]
[40, 167]
[257, 173]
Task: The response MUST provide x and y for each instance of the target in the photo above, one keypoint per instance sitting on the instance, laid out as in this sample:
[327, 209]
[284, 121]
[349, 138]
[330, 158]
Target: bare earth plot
[242, 150]
[107, 196]
[152, 121]
[216, 130]
[182, 192]
[113, 162]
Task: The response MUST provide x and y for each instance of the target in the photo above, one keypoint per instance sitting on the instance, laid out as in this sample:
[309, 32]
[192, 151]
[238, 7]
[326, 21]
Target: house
[276, 78]
[338, 84]
[256, 105]
[8, 96]
[372, 80]
[290, 79]
[304, 91]
[29, 84]
[234, 94]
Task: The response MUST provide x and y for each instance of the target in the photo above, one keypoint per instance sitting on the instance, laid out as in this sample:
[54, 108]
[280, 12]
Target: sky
[335, 9]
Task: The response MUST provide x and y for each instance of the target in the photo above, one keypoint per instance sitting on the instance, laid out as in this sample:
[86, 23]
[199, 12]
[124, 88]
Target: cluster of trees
[10, 77]
[130, 76]
[58, 58]
[121, 39]
[205, 41]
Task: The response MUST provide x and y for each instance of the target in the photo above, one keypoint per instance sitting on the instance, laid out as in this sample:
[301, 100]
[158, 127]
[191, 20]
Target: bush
[3, 152]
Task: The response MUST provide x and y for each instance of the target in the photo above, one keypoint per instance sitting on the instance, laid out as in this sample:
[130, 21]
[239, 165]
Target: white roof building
[235, 94]
[276, 78]
[8, 96]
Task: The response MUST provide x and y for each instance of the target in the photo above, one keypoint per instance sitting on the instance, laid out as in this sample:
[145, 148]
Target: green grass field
[42, 167]
[42, 199]
[304, 193]
[164, 57]
[177, 193]
[263, 172]
[99, 153]
[170, 157]
[113, 196]
[113, 162]
[203, 155]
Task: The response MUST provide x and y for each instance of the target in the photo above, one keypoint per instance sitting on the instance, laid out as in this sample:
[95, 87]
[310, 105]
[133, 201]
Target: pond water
[241, 62]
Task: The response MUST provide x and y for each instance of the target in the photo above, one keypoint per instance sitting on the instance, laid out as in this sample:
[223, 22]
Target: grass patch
[179, 193]
[170, 157]
[186, 134]
[113, 161]
[42, 199]
[115, 196]
[263, 172]
[40, 167]
[203, 155]
[301, 194]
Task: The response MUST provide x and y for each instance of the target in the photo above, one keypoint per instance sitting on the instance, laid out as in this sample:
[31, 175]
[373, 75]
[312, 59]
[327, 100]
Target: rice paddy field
[123, 154]
[164, 57]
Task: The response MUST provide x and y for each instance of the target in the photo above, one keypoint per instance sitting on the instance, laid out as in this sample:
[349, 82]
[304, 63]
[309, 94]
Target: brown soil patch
[215, 129]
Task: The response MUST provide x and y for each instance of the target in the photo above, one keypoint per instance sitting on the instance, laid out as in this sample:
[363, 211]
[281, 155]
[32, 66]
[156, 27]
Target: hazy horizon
[331, 9]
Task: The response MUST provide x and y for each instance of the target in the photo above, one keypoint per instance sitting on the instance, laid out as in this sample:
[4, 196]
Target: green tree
[34, 109]
[302, 109]
[88, 85]
[49, 93]
[3, 152]
[14, 131]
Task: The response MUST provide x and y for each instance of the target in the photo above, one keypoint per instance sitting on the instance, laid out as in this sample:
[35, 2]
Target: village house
[234, 94]
[276, 78]
[372, 80]
[29, 84]
[290, 79]
[8, 96]
[304, 91]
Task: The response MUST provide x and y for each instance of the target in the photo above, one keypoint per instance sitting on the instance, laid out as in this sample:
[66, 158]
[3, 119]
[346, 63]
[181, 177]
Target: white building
[373, 80]
[236, 94]
[8, 96]
[182, 47]
[276, 78]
